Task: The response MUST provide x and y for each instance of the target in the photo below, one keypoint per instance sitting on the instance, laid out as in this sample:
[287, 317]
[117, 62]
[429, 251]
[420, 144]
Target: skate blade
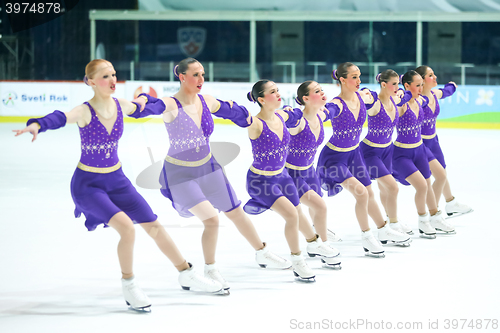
[457, 214]
[374, 255]
[409, 232]
[443, 232]
[405, 243]
[218, 292]
[271, 267]
[306, 280]
[428, 236]
[223, 292]
[143, 309]
[335, 266]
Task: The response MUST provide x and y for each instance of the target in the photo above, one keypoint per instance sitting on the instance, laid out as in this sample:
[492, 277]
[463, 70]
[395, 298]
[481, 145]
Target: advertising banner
[469, 104]
[25, 99]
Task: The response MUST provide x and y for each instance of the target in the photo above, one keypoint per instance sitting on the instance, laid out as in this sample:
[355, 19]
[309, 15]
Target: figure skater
[377, 146]
[431, 141]
[306, 137]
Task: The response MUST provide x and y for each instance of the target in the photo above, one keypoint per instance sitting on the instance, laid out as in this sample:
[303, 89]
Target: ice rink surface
[55, 276]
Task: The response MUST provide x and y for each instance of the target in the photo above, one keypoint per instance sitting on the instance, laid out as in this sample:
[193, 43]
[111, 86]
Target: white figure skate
[189, 279]
[267, 259]
[455, 208]
[371, 245]
[327, 254]
[388, 234]
[301, 270]
[425, 228]
[212, 272]
[439, 223]
[401, 227]
[134, 296]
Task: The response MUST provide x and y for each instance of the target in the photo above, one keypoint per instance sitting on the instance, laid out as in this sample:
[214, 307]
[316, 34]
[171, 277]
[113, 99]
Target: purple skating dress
[98, 187]
[409, 153]
[341, 157]
[429, 135]
[267, 179]
[190, 173]
[300, 159]
[377, 146]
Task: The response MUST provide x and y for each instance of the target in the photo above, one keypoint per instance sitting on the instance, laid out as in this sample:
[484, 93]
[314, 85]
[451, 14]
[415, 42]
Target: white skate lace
[214, 274]
[273, 258]
[427, 227]
[201, 281]
[136, 293]
[328, 250]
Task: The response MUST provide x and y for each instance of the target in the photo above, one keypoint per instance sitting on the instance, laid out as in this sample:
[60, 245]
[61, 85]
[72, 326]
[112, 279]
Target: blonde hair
[91, 67]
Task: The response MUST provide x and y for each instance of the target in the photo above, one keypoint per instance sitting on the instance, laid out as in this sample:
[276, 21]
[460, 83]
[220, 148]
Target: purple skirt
[434, 150]
[188, 186]
[335, 167]
[306, 180]
[407, 161]
[100, 196]
[378, 160]
[265, 190]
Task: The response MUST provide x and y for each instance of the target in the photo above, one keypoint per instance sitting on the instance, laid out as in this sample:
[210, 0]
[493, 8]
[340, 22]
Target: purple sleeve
[405, 98]
[294, 117]
[52, 121]
[425, 102]
[448, 90]
[154, 106]
[238, 114]
[333, 111]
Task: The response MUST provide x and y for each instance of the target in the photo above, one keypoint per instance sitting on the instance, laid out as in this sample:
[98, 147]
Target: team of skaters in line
[282, 176]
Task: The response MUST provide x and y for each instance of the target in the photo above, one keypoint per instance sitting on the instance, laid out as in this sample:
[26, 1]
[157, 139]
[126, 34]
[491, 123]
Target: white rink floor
[57, 277]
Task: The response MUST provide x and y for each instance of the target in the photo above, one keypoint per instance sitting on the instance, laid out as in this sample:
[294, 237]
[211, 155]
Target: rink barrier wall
[476, 107]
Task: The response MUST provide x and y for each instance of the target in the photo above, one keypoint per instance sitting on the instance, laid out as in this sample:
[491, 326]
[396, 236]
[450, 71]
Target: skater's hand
[33, 129]
[453, 83]
[366, 96]
[400, 93]
[141, 101]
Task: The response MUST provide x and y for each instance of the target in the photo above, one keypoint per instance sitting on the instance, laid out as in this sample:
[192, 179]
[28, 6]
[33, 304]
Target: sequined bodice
[188, 142]
[304, 145]
[409, 126]
[347, 129]
[381, 126]
[99, 148]
[429, 118]
[269, 152]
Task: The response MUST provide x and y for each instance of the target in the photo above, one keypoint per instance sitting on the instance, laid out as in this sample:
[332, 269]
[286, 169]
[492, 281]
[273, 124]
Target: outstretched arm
[238, 114]
[52, 121]
[448, 90]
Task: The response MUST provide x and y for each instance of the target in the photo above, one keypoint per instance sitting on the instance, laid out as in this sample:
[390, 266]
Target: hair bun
[377, 78]
[175, 71]
[86, 80]
[401, 79]
[298, 101]
[250, 98]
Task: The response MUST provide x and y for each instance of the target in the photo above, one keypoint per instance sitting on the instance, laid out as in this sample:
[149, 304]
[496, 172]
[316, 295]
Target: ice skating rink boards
[57, 277]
